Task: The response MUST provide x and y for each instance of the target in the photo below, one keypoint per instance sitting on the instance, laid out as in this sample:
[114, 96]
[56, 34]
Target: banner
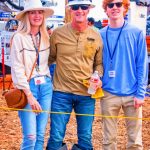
[57, 5]
[138, 16]
[5, 47]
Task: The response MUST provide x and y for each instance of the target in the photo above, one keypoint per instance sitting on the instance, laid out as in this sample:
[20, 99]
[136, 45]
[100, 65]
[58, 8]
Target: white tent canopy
[4, 8]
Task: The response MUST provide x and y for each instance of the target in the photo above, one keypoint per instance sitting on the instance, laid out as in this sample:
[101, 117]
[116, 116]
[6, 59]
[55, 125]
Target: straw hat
[31, 5]
[80, 2]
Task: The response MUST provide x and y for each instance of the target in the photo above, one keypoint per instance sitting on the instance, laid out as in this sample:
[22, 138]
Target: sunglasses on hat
[118, 4]
[76, 7]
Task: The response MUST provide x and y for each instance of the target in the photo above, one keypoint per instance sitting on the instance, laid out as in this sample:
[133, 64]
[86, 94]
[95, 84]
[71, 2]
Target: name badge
[112, 73]
[39, 80]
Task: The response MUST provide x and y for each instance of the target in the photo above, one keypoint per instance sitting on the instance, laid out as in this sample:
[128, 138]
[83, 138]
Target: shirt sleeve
[17, 64]
[98, 65]
[142, 67]
[52, 55]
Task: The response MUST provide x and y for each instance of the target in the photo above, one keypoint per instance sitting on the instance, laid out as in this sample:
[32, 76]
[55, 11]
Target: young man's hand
[138, 102]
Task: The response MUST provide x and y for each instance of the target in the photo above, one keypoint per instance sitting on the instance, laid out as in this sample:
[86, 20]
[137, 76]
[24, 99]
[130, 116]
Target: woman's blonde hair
[25, 28]
[126, 4]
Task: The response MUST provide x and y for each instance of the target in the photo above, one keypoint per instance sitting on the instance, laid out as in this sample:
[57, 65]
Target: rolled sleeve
[98, 65]
[52, 55]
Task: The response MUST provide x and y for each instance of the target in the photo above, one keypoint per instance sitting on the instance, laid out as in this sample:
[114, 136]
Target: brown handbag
[16, 98]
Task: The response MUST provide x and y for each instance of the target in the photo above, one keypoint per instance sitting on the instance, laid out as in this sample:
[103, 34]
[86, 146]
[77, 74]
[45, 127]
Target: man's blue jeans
[65, 102]
[34, 125]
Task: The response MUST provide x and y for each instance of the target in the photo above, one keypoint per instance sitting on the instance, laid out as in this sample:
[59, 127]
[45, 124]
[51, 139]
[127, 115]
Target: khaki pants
[110, 106]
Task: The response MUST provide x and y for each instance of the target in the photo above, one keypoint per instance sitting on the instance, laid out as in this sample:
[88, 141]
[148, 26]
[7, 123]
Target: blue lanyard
[38, 59]
[36, 48]
[112, 55]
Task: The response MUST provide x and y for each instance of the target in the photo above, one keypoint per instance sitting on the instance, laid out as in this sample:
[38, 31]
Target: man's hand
[99, 84]
[138, 102]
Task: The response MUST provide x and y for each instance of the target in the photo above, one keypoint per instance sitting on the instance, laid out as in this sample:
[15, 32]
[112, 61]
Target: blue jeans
[33, 125]
[65, 102]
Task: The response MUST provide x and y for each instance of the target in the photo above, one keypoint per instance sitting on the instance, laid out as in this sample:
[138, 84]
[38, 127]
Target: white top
[23, 55]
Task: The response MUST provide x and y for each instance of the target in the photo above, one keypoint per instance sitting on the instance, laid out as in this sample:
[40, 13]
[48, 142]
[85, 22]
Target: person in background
[91, 22]
[77, 50]
[53, 65]
[52, 69]
[50, 29]
[125, 75]
[32, 39]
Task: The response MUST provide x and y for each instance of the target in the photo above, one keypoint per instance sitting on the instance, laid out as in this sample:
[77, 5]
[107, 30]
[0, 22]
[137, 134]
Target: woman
[30, 38]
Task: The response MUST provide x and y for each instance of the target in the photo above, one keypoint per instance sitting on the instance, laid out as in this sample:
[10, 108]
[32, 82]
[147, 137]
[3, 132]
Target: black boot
[64, 147]
[75, 147]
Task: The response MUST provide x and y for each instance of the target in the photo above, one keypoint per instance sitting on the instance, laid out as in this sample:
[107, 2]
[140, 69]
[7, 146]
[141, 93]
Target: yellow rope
[65, 113]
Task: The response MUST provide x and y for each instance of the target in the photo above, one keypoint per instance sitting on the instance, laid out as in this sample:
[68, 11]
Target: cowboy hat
[80, 2]
[31, 5]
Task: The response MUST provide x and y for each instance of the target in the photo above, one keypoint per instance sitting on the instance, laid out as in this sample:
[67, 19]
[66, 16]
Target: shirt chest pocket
[89, 49]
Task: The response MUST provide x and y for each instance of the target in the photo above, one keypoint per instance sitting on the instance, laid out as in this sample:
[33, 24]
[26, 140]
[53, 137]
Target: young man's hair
[126, 4]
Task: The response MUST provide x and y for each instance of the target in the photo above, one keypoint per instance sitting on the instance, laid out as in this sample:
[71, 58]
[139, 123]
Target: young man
[125, 75]
[77, 50]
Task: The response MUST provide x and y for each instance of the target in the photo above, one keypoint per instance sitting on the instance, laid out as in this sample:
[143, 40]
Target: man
[76, 48]
[125, 75]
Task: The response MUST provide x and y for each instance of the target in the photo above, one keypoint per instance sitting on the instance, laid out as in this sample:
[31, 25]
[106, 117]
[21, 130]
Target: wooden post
[3, 64]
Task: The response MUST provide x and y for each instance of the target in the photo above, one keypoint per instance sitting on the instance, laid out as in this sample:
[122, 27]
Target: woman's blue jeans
[65, 102]
[33, 125]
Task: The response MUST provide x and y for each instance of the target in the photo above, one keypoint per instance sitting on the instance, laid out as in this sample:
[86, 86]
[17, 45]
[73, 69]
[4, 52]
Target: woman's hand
[32, 101]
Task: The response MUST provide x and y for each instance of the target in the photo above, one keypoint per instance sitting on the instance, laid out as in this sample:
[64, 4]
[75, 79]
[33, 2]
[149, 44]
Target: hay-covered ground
[10, 129]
